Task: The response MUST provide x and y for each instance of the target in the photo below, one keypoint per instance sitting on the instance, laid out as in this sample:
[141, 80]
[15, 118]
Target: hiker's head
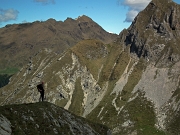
[42, 82]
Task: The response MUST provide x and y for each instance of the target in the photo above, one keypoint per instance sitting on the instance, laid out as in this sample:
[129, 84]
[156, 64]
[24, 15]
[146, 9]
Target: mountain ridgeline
[130, 83]
[19, 42]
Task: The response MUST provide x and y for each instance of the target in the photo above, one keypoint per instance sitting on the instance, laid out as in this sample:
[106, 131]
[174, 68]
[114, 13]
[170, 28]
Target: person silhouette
[40, 88]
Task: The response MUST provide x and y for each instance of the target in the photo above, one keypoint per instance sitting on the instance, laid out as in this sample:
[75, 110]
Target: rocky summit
[131, 85]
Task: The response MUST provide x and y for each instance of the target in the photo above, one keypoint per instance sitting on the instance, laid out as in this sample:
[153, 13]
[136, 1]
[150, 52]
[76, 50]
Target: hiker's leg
[42, 95]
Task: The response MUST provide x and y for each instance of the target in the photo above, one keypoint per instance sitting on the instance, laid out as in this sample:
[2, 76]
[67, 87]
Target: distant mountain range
[128, 82]
[19, 42]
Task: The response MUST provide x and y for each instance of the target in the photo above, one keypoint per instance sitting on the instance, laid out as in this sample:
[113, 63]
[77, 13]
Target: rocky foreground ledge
[45, 118]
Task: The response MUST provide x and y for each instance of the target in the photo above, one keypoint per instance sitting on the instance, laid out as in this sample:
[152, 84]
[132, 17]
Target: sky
[111, 15]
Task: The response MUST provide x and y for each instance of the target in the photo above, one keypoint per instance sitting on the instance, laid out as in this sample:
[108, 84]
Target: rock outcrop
[155, 29]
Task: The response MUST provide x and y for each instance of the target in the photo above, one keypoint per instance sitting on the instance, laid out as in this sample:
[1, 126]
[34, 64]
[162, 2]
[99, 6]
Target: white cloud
[8, 15]
[134, 7]
[45, 1]
[131, 14]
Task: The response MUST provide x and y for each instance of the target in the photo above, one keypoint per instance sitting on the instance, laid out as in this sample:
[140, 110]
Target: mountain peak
[51, 20]
[158, 22]
[83, 18]
[161, 1]
[52, 34]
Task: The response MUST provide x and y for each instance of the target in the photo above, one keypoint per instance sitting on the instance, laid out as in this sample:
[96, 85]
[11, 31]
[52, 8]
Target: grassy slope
[144, 120]
[77, 100]
[112, 73]
[90, 55]
[121, 58]
[141, 112]
[38, 118]
[174, 123]
[9, 71]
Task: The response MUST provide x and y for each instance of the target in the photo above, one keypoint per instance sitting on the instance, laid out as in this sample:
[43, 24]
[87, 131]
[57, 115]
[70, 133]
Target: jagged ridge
[19, 42]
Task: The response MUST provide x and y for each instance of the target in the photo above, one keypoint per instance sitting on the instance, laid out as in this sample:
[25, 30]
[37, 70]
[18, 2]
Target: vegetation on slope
[92, 54]
[110, 73]
[46, 118]
[77, 100]
[19, 42]
[141, 113]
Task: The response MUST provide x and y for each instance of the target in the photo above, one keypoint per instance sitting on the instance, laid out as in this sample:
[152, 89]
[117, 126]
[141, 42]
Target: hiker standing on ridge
[40, 88]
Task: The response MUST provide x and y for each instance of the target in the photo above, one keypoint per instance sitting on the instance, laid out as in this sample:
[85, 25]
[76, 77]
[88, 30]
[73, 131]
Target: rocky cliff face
[131, 85]
[156, 29]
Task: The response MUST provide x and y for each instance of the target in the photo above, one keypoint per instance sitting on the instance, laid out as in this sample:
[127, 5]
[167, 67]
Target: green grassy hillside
[45, 118]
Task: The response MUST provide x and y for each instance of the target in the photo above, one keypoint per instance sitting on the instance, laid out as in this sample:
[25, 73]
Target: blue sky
[112, 15]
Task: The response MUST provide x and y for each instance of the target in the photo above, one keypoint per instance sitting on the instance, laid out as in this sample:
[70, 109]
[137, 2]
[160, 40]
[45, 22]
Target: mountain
[131, 85]
[45, 118]
[158, 30]
[19, 42]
